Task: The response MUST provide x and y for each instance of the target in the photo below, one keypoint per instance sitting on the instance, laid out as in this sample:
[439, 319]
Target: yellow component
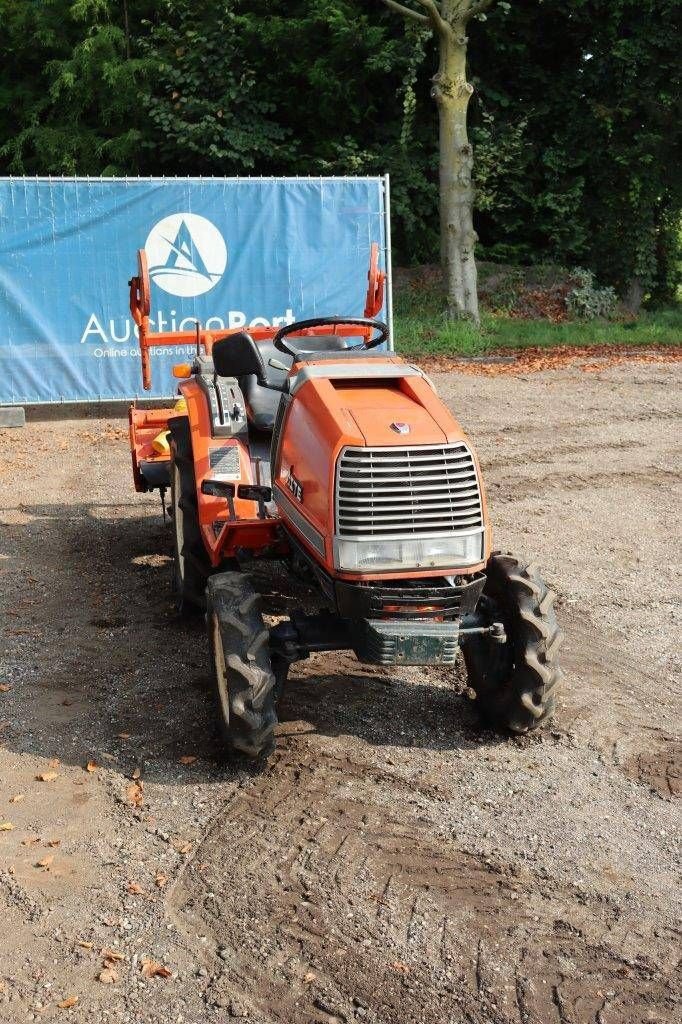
[180, 405]
[160, 444]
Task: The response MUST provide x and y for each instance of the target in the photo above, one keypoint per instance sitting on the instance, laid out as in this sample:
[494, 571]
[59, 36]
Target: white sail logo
[186, 253]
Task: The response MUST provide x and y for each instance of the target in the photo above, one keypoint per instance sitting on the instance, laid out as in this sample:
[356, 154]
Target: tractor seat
[261, 402]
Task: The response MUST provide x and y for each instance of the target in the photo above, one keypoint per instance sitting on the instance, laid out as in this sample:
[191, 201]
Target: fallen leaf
[66, 703]
[400, 967]
[47, 776]
[122, 735]
[67, 1003]
[45, 862]
[6, 826]
[33, 841]
[181, 845]
[5, 687]
[91, 766]
[135, 889]
[16, 799]
[136, 773]
[187, 759]
[112, 954]
[108, 976]
[153, 969]
[160, 880]
[85, 945]
[134, 794]
[54, 842]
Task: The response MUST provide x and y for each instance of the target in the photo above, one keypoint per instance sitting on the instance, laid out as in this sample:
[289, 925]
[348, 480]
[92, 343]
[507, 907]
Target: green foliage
[76, 108]
[575, 119]
[206, 112]
[596, 181]
[586, 301]
[426, 333]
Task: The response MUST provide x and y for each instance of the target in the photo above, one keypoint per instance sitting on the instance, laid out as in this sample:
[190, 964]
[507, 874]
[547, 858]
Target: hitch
[495, 632]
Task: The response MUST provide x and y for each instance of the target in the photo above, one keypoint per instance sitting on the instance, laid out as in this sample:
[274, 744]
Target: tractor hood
[393, 418]
[332, 408]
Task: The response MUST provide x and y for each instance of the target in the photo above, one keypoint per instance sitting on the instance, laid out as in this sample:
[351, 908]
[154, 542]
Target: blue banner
[228, 252]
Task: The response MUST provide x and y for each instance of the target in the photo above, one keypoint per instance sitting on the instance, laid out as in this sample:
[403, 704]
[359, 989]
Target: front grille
[437, 598]
[387, 492]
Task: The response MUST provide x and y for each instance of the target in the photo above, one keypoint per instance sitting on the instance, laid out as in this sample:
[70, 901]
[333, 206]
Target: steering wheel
[329, 321]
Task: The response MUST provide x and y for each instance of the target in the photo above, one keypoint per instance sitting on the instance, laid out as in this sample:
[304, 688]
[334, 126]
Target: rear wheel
[516, 682]
[191, 565]
[240, 657]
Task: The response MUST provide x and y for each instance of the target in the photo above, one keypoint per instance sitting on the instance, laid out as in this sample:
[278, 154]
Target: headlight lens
[411, 553]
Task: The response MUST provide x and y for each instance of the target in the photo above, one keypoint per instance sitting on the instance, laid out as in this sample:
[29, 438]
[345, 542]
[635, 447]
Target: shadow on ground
[101, 666]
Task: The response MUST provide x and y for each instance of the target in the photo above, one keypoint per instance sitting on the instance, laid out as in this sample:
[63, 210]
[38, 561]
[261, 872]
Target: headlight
[411, 553]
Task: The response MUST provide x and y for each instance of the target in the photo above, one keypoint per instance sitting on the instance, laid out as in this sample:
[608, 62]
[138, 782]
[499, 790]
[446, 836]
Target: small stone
[237, 1009]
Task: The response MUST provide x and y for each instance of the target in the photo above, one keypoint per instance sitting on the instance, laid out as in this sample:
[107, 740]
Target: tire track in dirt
[596, 416]
[603, 669]
[659, 769]
[321, 900]
[550, 455]
[523, 487]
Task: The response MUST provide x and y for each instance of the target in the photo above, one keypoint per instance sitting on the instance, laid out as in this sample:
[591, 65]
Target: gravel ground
[394, 864]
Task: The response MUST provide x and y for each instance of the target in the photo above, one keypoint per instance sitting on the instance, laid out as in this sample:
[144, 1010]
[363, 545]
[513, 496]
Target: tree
[206, 111]
[448, 20]
[69, 86]
[596, 180]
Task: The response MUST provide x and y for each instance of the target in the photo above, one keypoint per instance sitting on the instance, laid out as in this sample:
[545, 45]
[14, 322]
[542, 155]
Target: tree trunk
[632, 300]
[451, 92]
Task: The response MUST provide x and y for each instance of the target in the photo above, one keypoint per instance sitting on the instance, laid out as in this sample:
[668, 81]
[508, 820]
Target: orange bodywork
[328, 412]
[224, 536]
[337, 413]
[144, 426]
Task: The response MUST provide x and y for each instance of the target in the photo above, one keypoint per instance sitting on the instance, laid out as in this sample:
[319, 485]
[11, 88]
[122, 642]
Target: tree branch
[407, 12]
[434, 16]
[478, 8]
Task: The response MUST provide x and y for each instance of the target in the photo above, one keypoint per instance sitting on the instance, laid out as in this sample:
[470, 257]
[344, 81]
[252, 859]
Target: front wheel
[242, 673]
[515, 682]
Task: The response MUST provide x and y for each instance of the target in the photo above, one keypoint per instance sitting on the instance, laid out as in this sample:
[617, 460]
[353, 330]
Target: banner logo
[187, 254]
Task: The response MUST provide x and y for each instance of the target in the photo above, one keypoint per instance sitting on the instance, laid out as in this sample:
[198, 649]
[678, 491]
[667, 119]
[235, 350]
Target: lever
[277, 364]
[220, 489]
[256, 492]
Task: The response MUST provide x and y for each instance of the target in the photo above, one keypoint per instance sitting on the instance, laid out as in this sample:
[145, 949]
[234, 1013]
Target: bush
[586, 301]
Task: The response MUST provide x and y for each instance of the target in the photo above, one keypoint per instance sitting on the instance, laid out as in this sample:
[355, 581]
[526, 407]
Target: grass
[420, 329]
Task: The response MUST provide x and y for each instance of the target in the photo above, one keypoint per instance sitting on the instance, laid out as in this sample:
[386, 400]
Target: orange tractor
[311, 444]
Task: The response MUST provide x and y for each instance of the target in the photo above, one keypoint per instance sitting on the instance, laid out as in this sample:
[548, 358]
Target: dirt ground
[394, 864]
